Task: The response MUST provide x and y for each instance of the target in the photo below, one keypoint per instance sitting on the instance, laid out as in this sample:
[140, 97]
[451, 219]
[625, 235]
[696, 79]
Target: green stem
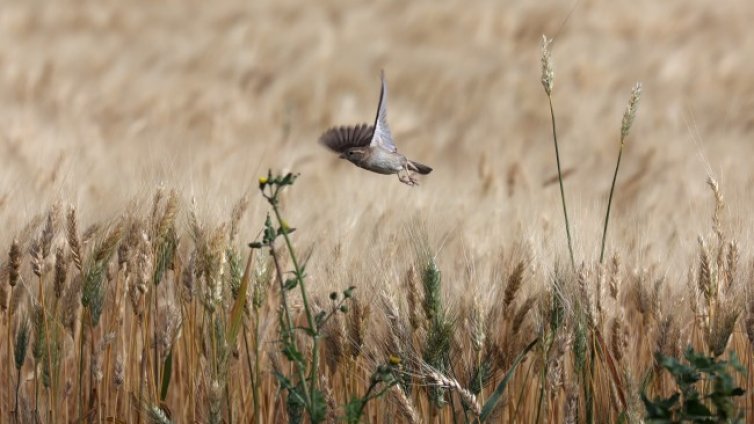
[289, 322]
[365, 399]
[545, 371]
[8, 348]
[155, 348]
[588, 385]
[257, 373]
[36, 390]
[299, 276]
[541, 392]
[92, 382]
[314, 373]
[610, 202]
[18, 386]
[228, 402]
[252, 370]
[560, 181]
[81, 366]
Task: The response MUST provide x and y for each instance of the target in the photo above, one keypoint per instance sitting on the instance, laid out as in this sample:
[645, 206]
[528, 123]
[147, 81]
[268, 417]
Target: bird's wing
[382, 137]
[340, 139]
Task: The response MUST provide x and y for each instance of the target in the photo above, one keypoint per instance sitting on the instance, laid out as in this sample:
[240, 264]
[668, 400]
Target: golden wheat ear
[420, 167]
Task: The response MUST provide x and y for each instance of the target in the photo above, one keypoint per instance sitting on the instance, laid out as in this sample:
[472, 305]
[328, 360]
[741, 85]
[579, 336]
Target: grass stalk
[560, 183]
[81, 365]
[252, 378]
[9, 345]
[628, 119]
[610, 202]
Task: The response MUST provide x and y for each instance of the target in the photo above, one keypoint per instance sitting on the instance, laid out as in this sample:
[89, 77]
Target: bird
[371, 147]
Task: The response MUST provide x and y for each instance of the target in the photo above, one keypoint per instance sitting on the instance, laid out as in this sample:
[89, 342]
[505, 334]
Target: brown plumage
[371, 147]
[340, 139]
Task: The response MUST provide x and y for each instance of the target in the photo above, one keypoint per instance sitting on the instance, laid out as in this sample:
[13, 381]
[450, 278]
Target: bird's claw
[408, 179]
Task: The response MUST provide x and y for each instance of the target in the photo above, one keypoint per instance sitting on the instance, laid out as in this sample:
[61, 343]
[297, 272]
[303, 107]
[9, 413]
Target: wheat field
[133, 136]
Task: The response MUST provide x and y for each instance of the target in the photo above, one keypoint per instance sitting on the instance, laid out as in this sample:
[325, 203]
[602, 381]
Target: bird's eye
[350, 153]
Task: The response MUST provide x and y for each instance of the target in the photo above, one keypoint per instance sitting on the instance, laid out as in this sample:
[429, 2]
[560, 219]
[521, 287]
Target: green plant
[712, 402]
[304, 394]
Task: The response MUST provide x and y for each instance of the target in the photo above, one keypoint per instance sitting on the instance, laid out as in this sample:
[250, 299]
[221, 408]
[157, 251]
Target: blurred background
[103, 101]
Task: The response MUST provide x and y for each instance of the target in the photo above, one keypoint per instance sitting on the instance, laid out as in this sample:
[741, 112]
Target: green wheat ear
[22, 343]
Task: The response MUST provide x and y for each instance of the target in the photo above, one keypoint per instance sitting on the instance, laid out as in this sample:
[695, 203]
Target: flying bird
[371, 146]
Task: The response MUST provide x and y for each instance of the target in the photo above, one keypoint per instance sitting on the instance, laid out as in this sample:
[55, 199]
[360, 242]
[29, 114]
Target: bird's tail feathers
[419, 167]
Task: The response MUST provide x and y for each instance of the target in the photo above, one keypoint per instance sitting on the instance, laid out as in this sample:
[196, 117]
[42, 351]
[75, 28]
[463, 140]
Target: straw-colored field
[105, 104]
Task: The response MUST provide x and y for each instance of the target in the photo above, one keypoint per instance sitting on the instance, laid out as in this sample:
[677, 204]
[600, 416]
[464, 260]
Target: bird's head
[355, 154]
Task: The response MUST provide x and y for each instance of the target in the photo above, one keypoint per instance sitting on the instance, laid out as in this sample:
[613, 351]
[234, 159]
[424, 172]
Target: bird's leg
[403, 178]
[407, 178]
[410, 175]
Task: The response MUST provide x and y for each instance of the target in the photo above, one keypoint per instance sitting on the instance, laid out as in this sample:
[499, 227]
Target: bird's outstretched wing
[382, 137]
[340, 139]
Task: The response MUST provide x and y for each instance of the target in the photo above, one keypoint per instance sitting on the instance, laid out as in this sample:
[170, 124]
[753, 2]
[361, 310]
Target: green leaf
[489, 407]
[309, 331]
[736, 364]
[288, 179]
[699, 361]
[285, 230]
[737, 392]
[715, 406]
[353, 410]
[167, 371]
[295, 405]
[269, 232]
[348, 293]
[293, 354]
[318, 410]
[695, 408]
[290, 284]
[320, 318]
[283, 380]
[660, 409]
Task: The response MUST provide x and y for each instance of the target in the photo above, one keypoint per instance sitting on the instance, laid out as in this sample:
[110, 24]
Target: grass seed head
[750, 323]
[22, 343]
[704, 278]
[74, 242]
[14, 261]
[614, 275]
[235, 219]
[548, 75]
[722, 329]
[61, 271]
[438, 379]
[630, 113]
[477, 325]
[357, 322]
[405, 405]
[515, 281]
[71, 303]
[412, 297]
